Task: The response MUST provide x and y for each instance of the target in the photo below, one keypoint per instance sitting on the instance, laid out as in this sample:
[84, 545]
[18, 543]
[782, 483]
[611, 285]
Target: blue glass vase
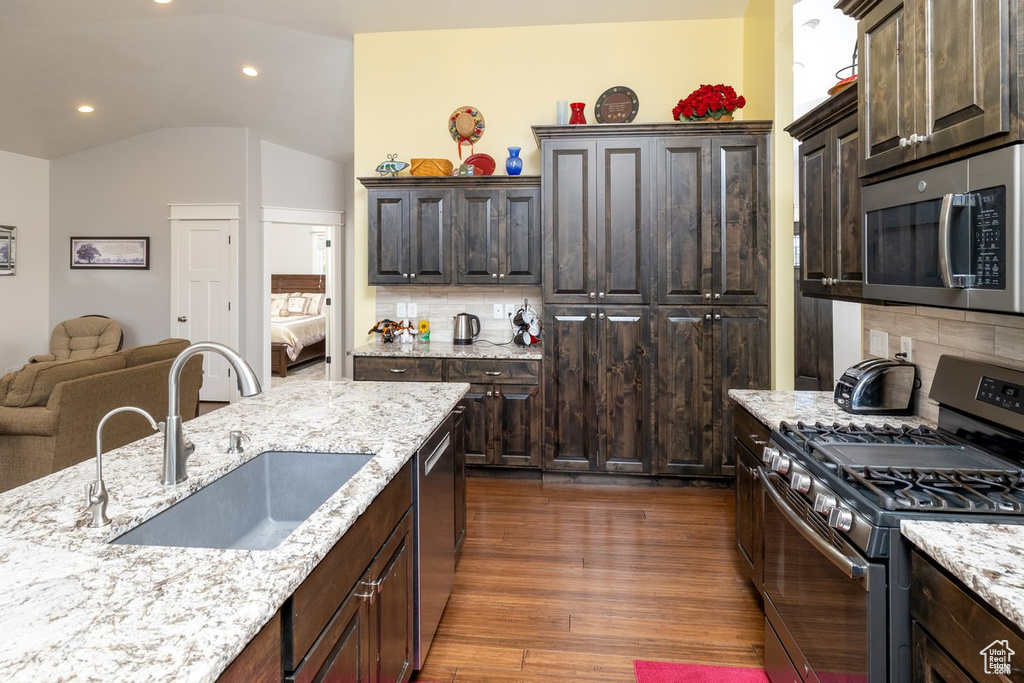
[513, 165]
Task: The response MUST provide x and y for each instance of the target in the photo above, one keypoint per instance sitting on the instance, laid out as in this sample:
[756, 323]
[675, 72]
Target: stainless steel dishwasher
[434, 493]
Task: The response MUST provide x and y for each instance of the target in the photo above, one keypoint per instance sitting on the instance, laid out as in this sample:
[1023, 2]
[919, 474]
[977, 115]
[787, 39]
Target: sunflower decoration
[424, 329]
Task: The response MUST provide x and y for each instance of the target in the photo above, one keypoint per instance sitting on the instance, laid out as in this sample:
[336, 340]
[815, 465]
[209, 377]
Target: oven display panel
[1002, 394]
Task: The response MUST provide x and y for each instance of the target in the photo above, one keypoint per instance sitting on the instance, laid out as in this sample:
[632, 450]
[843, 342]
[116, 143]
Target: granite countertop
[773, 407]
[985, 557]
[449, 350]
[74, 608]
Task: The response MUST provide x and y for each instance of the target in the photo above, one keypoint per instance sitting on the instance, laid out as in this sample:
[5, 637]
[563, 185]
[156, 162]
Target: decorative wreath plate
[616, 105]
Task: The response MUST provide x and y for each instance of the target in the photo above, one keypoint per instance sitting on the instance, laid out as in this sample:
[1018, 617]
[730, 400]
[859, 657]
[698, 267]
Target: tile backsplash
[439, 304]
[986, 337]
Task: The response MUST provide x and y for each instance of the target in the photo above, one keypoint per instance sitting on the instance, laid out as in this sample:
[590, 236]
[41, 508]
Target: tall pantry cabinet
[656, 247]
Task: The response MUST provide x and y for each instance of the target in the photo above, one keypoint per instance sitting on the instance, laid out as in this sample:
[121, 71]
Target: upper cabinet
[831, 263]
[490, 223]
[935, 75]
[598, 215]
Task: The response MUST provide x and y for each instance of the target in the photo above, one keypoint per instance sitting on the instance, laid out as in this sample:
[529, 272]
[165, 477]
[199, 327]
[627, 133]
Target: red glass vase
[577, 115]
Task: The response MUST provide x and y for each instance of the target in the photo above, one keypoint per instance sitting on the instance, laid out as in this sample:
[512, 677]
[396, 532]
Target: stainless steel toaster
[878, 385]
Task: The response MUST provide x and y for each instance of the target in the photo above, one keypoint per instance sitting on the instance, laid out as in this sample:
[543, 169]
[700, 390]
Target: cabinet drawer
[749, 431]
[397, 369]
[957, 620]
[479, 371]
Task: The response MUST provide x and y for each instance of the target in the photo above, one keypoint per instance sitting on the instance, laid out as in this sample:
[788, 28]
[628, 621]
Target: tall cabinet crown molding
[606, 130]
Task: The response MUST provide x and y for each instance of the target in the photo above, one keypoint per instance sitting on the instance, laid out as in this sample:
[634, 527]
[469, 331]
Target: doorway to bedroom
[302, 303]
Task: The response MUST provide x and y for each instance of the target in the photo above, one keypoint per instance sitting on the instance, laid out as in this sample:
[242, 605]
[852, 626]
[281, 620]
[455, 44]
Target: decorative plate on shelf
[616, 105]
[483, 163]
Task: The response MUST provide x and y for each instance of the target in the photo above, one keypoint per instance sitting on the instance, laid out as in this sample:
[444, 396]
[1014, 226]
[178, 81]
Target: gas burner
[819, 433]
[981, 491]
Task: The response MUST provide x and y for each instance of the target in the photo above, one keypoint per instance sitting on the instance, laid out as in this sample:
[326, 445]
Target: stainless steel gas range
[836, 571]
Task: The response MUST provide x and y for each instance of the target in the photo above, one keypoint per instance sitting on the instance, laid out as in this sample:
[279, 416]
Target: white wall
[296, 180]
[123, 189]
[25, 204]
[291, 248]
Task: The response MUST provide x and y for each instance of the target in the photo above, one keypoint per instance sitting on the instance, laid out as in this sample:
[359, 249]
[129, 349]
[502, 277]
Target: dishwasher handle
[436, 455]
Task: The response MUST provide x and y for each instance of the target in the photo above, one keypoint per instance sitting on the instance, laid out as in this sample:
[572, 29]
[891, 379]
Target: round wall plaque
[616, 105]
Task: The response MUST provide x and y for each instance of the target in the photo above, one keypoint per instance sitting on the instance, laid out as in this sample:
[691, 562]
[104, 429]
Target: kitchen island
[76, 608]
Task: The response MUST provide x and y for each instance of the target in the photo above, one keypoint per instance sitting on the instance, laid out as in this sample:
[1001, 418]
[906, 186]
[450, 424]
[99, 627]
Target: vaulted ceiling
[146, 66]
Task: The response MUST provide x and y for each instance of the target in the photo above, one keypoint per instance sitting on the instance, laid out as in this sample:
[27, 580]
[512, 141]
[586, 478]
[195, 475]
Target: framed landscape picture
[110, 252]
[7, 249]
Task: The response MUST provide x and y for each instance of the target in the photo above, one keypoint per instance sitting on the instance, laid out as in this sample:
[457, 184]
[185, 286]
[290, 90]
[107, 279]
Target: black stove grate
[979, 491]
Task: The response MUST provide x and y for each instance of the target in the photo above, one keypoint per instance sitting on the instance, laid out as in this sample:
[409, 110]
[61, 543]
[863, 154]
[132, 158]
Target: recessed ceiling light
[250, 71]
[85, 109]
[162, 2]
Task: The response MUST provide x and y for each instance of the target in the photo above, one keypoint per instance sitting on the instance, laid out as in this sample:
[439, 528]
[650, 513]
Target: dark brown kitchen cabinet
[597, 218]
[934, 75]
[831, 235]
[260, 661]
[749, 439]
[503, 411]
[953, 627]
[703, 352]
[409, 235]
[497, 235]
[597, 365]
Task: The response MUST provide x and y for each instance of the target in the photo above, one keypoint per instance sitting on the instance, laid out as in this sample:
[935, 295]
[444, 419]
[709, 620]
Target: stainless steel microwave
[948, 236]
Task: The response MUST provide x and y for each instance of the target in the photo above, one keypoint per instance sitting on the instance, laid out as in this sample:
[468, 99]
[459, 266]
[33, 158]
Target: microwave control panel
[1003, 394]
[988, 209]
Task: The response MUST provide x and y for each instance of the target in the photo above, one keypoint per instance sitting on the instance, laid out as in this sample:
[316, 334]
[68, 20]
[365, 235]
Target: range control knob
[824, 503]
[840, 519]
[781, 463]
[800, 482]
[768, 453]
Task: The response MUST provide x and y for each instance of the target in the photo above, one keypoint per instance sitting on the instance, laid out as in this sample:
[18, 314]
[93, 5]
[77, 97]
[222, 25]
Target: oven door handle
[852, 569]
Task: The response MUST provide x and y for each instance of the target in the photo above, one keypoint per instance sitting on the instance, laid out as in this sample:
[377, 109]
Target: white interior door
[204, 294]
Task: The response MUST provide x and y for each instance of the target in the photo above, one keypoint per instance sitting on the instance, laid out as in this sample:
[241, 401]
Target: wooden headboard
[286, 284]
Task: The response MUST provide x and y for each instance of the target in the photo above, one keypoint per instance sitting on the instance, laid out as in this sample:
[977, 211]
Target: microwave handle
[945, 258]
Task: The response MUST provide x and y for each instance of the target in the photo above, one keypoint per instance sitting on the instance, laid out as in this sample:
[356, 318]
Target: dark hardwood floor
[562, 582]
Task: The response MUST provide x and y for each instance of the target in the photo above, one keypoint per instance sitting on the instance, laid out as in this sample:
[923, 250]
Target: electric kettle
[467, 328]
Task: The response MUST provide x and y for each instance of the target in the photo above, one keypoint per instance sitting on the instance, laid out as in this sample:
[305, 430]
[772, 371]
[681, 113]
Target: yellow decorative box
[433, 167]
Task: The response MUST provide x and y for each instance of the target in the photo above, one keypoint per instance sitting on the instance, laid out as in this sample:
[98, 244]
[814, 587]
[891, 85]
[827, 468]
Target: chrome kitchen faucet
[96, 492]
[177, 449]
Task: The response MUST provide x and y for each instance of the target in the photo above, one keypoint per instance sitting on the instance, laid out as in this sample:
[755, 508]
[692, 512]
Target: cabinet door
[742, 361]
[623, 220]
[815, 203]
[388, 243]
[812, 332]
[745, 482]
[520, 239]
[346, 649]
[962, 75]
[392, 610]
[459, 428]
[569, 181]
[740, 240]
[886, 114]
[429, 255]
[570, 416]
[932, 664]
[477, 416]
[683, 211]
[683, 403]
[517, 421]
[847, 243]
[624, 375]
[476, 236]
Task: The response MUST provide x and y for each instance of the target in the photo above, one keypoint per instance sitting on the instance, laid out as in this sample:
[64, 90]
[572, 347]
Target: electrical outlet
[906, 349]
[510, 310]
[499, 311]
[878, 343]
[401, 310]
[412, 310]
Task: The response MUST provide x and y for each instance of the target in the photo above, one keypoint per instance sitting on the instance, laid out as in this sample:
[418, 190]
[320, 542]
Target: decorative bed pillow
[297, 305]
[277, 307]
[316, 303]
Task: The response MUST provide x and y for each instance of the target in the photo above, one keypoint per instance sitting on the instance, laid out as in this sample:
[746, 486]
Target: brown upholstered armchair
[91, 335]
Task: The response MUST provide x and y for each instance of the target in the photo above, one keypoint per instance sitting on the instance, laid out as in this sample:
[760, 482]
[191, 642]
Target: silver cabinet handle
[717, 296]
[494, 276]
[824, 281]
[916, 139]
[904, 142]
[707, 316]
[412, 276]
[490, 393]
[501, 276]
[718, 316]
[405, 275]
[373, 587]
[182, 318]
[593, 295]
[593, 316]
[398, 371]
[600, 295]
[707, 295]
[493, 373]
[601, 316]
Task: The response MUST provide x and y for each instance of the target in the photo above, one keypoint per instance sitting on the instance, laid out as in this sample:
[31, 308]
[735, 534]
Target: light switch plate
[510, 310]
[906, 348]
[412, 310]
[400, 310]
[878, 343]
[499, 311]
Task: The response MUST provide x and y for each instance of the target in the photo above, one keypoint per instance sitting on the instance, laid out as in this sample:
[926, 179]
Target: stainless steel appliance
[878, 385]
[835, 567]
[948, 236]
[467, 328]
[434, 547]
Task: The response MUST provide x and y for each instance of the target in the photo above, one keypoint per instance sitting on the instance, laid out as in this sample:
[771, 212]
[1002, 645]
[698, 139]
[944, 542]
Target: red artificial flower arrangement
[708, 102]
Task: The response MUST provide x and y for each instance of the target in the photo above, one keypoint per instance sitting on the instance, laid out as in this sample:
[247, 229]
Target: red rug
[666, 672]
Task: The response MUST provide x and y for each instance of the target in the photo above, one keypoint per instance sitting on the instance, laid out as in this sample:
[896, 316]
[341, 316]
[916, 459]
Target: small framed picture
[7, 249]
[130, 253]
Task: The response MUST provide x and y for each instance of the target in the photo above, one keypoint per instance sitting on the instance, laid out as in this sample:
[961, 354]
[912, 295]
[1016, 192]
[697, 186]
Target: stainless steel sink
[253, 507]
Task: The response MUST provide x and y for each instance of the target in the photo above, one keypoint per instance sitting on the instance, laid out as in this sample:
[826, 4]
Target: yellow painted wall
[407, 84]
